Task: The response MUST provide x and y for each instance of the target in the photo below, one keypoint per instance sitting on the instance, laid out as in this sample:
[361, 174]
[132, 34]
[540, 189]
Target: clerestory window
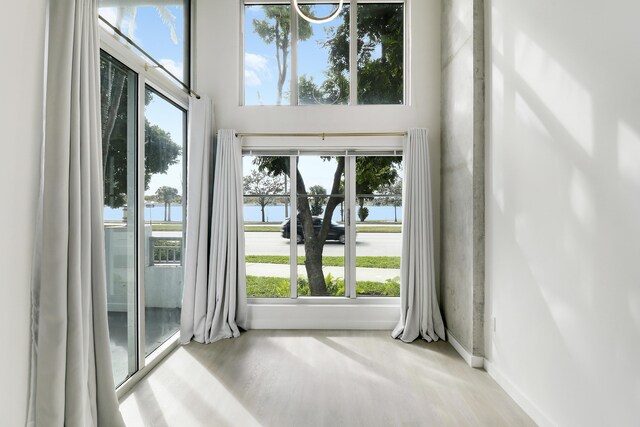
[290, 61]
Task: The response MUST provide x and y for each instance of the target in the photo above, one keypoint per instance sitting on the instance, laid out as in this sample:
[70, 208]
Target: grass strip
[262, 228]
[374, 229]
[166, 227]
[277, 287]
[331, 261]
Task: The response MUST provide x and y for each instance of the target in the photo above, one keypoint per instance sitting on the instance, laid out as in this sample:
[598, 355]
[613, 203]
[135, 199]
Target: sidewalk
[362, 274]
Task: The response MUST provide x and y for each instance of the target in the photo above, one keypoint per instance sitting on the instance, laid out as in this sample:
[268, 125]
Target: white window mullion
[350, 202]
[293, 97]
[293, 226]
[353, 52]
[141, 249]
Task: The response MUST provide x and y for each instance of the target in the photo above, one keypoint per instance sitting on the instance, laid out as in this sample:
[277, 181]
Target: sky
[154, 36]
[260, 76]
[313, 169]
[261, 69]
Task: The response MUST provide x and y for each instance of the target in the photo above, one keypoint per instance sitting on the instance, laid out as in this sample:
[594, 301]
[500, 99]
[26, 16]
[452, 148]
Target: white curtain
[214, 303]
[71, 378]
[420, 313]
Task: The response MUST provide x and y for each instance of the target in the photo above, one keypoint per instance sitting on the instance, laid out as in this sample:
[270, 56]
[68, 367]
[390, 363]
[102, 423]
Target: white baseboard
[324, 316]
[514, 392]
[473, 361]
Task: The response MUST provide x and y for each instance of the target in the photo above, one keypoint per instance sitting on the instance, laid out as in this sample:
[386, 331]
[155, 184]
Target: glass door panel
[267, 206]
[320, 231]
[119, 102]
[378, 219]
[164, 148]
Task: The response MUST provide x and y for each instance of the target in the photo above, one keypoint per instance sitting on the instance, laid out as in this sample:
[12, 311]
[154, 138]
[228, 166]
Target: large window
[161, 28]
[143, 146]
[289, 61]
[343, 241]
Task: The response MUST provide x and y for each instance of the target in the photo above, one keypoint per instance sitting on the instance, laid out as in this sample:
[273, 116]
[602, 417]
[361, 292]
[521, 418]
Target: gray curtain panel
[420, 313]
[71, 377]
[214, 303]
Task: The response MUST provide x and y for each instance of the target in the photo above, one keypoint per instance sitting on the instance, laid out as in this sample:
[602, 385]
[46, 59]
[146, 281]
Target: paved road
[272, 243]
[367, 244]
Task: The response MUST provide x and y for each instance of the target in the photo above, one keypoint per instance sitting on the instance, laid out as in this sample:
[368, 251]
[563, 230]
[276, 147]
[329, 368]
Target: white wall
[563, 208]
[21, 76]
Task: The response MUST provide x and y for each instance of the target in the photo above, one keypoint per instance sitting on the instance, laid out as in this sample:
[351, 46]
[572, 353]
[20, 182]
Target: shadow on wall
[563, 207]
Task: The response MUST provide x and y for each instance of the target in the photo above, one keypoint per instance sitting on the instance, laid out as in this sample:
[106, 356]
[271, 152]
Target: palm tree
[167, 195]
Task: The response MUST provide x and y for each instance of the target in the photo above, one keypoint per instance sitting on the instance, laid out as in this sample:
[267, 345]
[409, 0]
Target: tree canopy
[160, 149]
[264, 187]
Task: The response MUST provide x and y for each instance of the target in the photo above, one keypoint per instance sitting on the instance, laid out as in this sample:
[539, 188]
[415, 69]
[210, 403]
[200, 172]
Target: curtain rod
[322, 135]
[185, 87]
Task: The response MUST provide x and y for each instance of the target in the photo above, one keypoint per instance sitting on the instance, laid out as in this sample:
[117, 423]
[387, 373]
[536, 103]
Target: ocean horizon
[252, 213]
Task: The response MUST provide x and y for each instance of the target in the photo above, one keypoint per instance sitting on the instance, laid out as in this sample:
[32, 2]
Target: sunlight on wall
[497, 34]
[561, 94]
[581, 198]
[628, 153]
[497, 101]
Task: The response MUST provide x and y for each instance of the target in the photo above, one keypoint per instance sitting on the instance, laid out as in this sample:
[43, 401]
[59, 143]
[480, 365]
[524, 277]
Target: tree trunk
[169, 212]
[395, 213]
[262, 209]
[314, 244]
[313, 264]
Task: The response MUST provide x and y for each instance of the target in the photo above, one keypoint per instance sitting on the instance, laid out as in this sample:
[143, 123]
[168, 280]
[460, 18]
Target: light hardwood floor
[318, 378]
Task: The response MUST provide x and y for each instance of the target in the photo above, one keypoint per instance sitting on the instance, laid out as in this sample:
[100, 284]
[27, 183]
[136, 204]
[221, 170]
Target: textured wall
[21, 95]
[462, 184]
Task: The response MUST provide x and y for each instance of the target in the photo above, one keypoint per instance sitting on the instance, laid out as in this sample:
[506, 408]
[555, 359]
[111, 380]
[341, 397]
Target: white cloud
[175, 68]
[255, 69]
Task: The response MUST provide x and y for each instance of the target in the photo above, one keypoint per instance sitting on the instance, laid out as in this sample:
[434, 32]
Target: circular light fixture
[316, 20]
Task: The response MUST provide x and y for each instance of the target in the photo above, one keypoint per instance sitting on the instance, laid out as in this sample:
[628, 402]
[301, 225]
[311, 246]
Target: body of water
[276, 213]
[252, 213]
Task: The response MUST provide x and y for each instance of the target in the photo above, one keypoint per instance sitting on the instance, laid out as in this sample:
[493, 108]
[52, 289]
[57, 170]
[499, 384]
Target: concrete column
[462, 181]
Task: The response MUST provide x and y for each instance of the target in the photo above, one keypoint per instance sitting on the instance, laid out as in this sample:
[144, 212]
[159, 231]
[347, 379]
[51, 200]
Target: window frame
[187, 55]
[351, 298]
[161, 84]
[353, 52]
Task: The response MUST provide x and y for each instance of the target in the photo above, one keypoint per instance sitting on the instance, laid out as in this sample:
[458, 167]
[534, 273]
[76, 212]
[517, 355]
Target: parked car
[336, 231]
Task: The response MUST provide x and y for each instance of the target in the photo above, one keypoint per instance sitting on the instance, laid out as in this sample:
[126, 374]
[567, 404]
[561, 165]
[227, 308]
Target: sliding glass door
[143, 148]
[119, 159]
[345, 238]
[165, 125]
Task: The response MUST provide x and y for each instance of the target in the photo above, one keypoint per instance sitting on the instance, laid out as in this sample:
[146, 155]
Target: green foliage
[276, 29]
[160, 150]
[380, 31]
[262, 228]
[330, 261]
[363, 213]
[374, 229]
[277, 287]
[388, 288]
[267, 287]
[262, 185]
[317, 203]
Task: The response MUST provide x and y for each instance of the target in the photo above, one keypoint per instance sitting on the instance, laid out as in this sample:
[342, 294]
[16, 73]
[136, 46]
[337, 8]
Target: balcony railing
[165, 251]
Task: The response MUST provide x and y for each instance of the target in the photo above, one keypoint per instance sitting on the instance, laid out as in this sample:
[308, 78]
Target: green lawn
[331, 261]
[263, 228]
[276, 287]
[277, 228]
[374, 229]
[167, 227]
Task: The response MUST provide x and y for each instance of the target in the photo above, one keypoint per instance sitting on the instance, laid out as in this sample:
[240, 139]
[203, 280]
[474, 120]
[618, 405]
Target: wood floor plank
[318, 378]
